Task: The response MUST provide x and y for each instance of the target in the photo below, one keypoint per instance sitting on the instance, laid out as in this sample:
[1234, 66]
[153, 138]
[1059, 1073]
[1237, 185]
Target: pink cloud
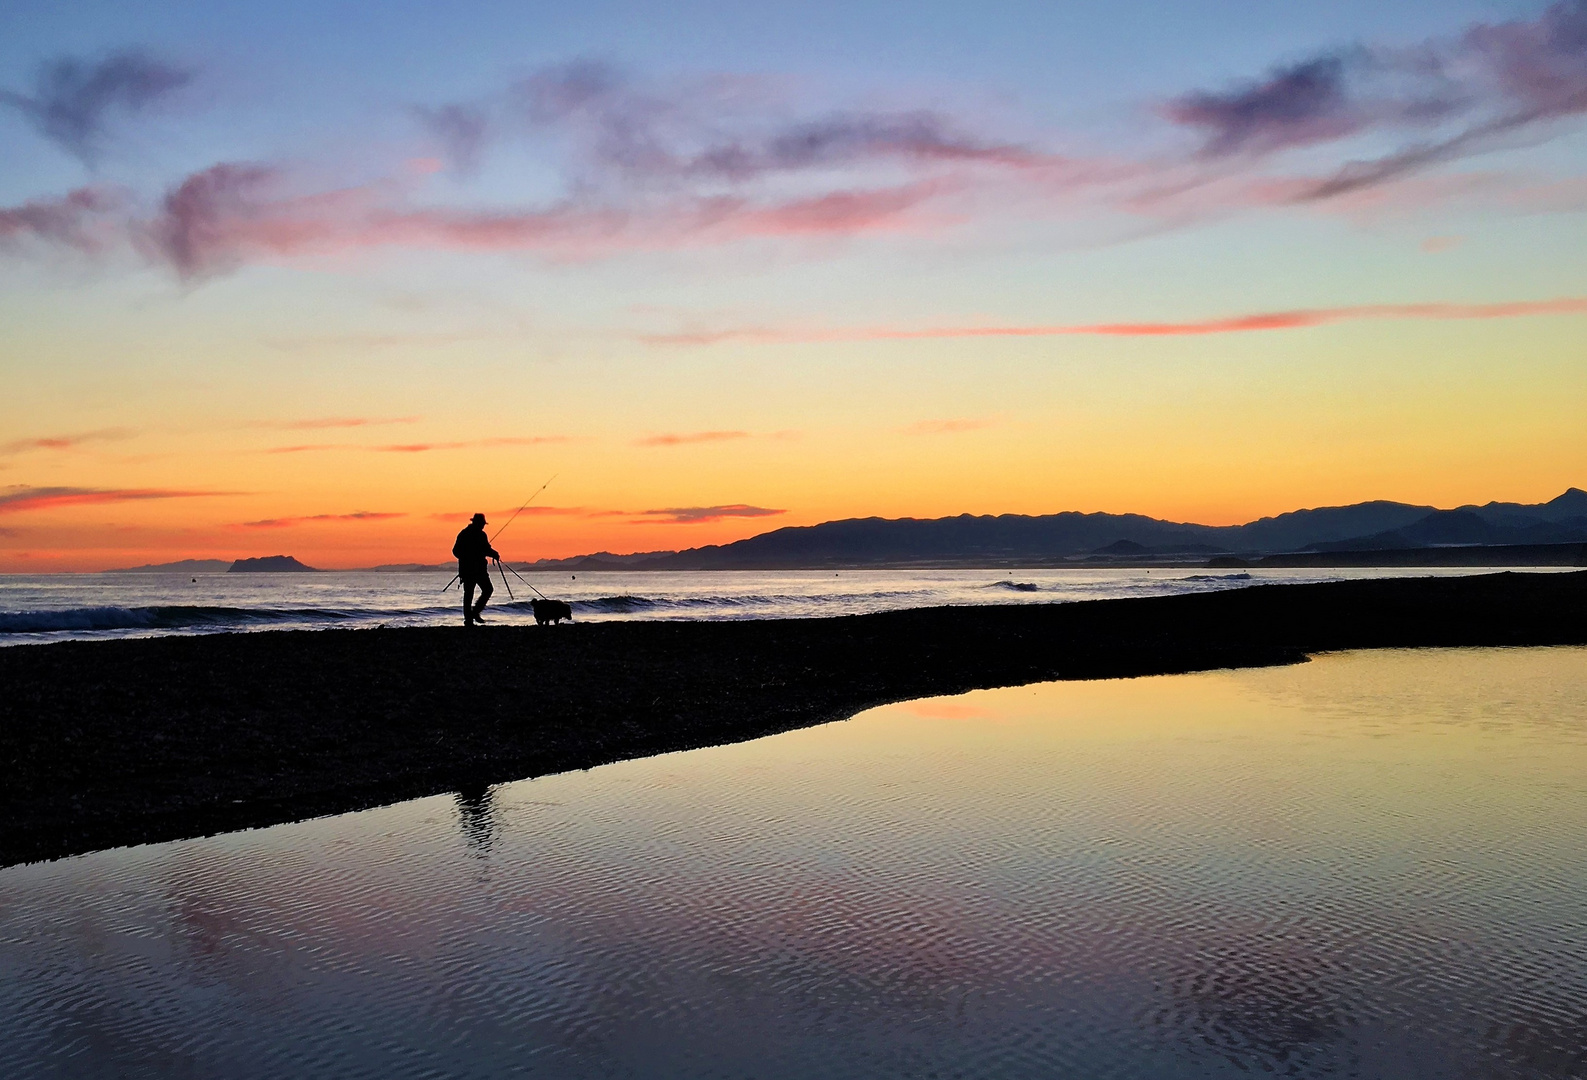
[418, 448]
[839, 212]
[21, 498]
[334, 422]
[424, 447]
[1270, 320]
[696, 515]
[63, 442]
[305, 448]
[289, 522]
[656, 167]
[686, 438]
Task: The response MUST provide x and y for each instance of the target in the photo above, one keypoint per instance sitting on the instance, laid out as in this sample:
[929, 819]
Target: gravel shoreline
[111, 743]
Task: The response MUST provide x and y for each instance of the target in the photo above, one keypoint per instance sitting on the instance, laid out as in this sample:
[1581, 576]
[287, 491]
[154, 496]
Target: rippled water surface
[1370, 865]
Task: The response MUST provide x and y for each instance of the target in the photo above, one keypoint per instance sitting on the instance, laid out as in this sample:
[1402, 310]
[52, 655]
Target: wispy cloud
[231, 214]
[423, 447]
[83, 220]
[696, 515]
[306, 448]
[1293, 106]
[505, 440]
[19, 498]
[289, 522]
[651, 165]
[948, 427]
[64, 442]
[419, 448]
[686, 438]
[73, 100]
[647, 167]
[1456, 96]
[714, 130]
[1234, 324]
[460, 129]
[316, 423]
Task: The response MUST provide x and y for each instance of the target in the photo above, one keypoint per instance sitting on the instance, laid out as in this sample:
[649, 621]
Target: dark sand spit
[122, 742]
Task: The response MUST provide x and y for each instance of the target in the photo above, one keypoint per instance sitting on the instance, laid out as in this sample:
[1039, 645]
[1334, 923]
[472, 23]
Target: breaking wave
[174, 617]
[617, 605]
[1016, 586]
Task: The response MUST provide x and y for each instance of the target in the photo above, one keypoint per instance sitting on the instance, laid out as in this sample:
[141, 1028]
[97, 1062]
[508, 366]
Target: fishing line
[520, 510]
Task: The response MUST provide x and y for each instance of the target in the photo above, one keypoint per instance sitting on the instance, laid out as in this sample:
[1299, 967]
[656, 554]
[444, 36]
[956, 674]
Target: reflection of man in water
[473, 550]
[476, 816]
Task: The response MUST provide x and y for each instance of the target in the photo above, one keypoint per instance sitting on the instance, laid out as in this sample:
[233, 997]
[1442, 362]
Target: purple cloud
[203, 221]
[1296, 105]
[706, 133]
[1467, 93]
[1540, 67]
[461, 130]
[696, 515]
[77, 220]
[73, 99]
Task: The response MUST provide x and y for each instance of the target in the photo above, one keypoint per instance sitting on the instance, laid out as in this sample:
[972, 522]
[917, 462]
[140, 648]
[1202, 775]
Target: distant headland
[270, 564]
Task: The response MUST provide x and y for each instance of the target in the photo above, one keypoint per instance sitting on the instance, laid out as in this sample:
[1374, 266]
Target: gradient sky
[324, 278]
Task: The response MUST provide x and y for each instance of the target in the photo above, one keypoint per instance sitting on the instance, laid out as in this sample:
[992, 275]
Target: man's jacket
[472, 549]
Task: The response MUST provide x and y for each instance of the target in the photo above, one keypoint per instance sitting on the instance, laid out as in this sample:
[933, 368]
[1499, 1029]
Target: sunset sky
[323, 278]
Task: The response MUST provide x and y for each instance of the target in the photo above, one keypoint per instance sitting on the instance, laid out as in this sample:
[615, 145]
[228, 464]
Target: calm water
[1370, 865]
[52, 607]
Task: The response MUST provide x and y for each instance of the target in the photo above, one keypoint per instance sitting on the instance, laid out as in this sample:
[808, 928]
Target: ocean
[57, 607]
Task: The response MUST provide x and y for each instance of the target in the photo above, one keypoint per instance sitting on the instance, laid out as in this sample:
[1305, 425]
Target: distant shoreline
[122, 742]
[1461, 555]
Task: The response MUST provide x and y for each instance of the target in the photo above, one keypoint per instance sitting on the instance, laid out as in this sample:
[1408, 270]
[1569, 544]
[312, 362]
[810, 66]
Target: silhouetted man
[473, 551]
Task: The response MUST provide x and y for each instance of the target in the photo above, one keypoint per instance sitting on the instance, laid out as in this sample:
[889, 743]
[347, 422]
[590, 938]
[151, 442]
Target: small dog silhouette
[551, 611]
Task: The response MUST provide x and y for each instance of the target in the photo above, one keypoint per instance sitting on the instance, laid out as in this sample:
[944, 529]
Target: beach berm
[132, 741]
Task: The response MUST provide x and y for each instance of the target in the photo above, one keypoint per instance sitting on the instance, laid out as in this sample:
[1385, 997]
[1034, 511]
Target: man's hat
[480, 518]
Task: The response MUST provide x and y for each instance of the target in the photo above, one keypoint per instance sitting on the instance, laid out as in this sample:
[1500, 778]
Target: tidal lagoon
[1364, 865]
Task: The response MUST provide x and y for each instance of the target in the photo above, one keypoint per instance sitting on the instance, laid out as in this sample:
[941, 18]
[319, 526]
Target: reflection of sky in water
[1367, 865]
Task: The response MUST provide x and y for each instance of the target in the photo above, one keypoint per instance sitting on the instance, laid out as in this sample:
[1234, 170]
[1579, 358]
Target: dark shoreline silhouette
[123, 742]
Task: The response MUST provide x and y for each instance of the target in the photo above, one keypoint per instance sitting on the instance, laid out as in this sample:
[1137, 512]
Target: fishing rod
[503, 529]
[520, 510]
[527, 582]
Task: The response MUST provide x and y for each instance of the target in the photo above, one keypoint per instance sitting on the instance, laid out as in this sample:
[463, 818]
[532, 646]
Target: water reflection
[1369, 865]
[476, 818]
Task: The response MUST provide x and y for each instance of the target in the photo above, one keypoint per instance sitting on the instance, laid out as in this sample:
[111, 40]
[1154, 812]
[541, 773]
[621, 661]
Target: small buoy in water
[195, 581]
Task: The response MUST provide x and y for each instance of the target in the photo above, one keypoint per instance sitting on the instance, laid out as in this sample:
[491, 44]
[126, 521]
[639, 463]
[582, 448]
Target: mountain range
[1072, 538]
[1017, 539]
